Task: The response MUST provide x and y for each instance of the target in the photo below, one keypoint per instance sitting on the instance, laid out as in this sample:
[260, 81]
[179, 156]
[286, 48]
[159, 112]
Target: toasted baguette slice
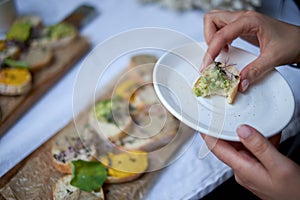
[218, 79]
[14, 81]
[53, 43]
[70, 146]
[143, 65]
[153, 126]
[144, 96]
[144, 139]
[142, 60]
[63, 190]
[125, 167]
[9, 50]
[37, 57]
[56, 36]
[34, 20]
[110, 119]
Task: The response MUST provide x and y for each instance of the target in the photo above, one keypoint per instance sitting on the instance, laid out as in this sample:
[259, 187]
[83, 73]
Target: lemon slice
[14, 81]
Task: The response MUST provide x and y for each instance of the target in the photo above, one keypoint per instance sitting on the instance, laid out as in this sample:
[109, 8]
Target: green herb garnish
[88, 175]
[60, 30]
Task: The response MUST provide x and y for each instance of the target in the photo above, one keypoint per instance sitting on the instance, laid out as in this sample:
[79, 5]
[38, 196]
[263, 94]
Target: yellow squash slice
[14, 81]
[125, 166]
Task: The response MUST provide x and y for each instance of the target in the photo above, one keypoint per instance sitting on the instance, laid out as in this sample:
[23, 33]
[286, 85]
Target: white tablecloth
[187, 178]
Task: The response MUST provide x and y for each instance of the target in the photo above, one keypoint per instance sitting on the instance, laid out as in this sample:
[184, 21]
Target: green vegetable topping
[19, 31]
[88, 175]
[214, 79]
[103, 111]
[107, 109]
[60, 30]
[15, 63]
[197, 92]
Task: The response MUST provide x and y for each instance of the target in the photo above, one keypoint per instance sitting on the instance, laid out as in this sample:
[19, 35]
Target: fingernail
[244, 131]
[245, 84]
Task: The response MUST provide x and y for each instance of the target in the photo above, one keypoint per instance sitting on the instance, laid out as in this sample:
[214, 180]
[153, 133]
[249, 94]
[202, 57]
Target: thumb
[258, 145]
[253, 71]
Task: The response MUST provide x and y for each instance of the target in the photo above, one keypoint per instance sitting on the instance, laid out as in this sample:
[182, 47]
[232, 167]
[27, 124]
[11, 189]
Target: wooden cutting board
[13, 107]
[35, 177]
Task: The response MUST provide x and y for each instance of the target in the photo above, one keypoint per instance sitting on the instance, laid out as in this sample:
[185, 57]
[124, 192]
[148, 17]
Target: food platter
[15, 105]
[40, 174]
[268, 105]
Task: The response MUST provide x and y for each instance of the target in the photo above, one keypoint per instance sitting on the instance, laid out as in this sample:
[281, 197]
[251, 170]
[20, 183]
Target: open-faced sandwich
[18, 59]
[64, 190]
[55, 36]
[136, 120]
[110, 118]
[218, 79]
[153, 127]
[14, 81]
[70, 146]
[88, 177]
[125, 166]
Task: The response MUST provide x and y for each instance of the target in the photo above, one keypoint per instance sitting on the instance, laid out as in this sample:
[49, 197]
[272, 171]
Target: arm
[279, 42]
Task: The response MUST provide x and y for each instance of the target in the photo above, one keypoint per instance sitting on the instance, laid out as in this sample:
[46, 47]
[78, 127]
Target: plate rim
[199, 128]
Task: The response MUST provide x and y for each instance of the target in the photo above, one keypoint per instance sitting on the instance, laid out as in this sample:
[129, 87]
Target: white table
[188, 177]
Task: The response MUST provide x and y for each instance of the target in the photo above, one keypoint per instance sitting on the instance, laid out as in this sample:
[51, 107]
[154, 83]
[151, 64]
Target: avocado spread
[109, 109]
[60, 30]
[19, 31]
[212, 80]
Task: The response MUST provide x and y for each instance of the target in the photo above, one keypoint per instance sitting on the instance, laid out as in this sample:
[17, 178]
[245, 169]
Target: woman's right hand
[279, 42]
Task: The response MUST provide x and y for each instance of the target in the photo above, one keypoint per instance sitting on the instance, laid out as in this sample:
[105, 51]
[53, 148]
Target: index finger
[223, 37]
[215, 20]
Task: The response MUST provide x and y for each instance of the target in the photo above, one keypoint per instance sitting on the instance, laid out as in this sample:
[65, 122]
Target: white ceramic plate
[268, 105]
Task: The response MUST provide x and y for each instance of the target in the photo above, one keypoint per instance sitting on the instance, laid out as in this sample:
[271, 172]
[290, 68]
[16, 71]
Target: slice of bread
[63, 190]
[110, 119]
[143, 65]
[142, 59]
[144, 96]
[145, 139]
[15, 81]
[33, 20]
[70, 146]
[9, 50]
[37, 57]
[153, 126]
[218, 79]
[56, 36]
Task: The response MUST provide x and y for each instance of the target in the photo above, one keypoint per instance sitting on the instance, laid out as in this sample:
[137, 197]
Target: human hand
[258, 166]
[278, 41]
